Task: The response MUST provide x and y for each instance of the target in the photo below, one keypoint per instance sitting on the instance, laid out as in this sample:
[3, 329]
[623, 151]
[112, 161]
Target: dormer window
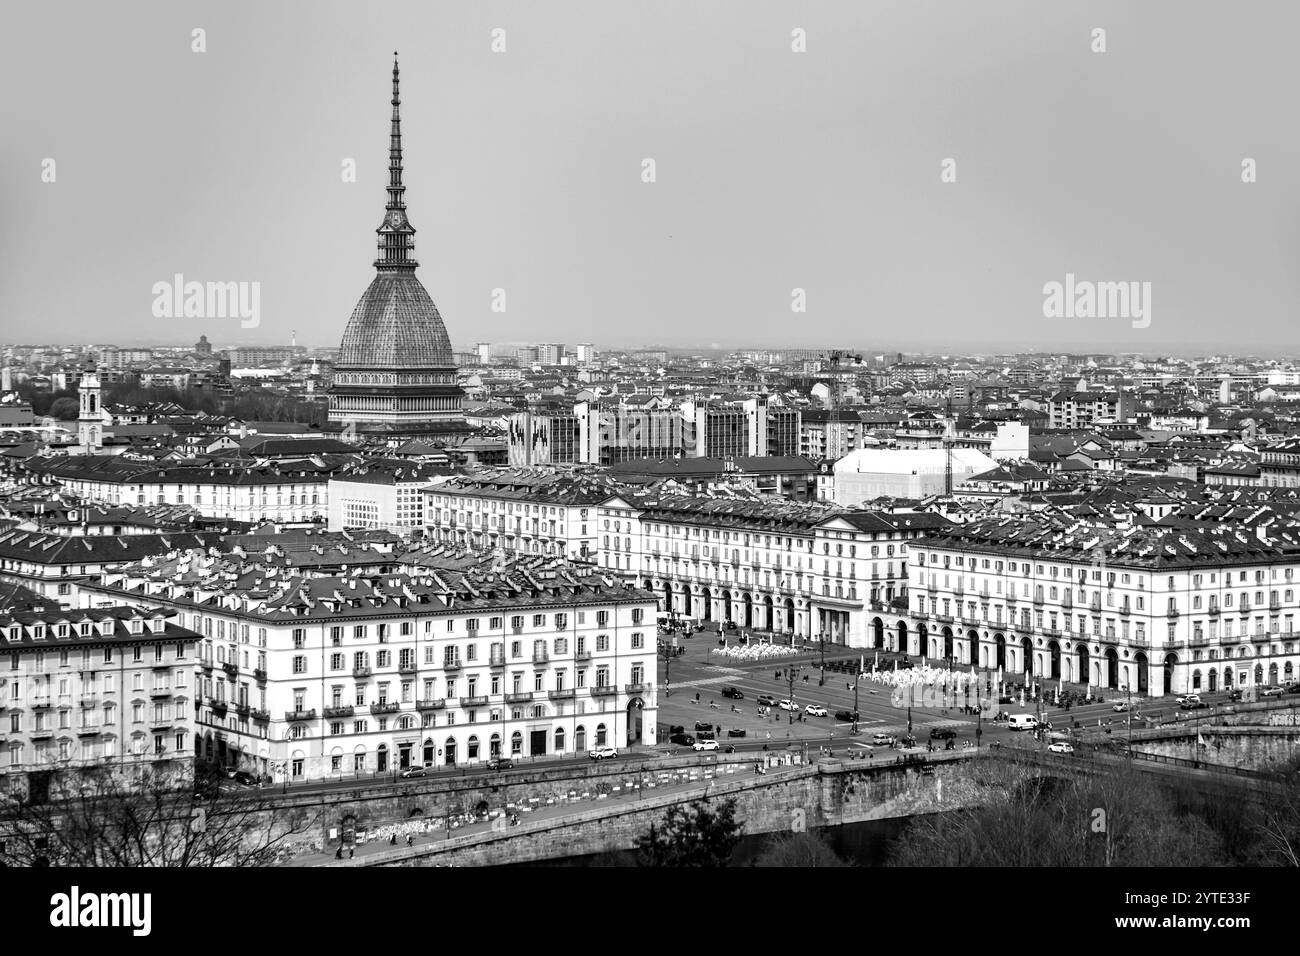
[137, 626]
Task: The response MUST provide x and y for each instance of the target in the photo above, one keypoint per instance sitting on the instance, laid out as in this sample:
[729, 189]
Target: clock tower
[90, 420]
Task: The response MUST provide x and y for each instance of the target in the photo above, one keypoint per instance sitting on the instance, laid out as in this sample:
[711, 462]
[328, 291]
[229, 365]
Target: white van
[1022, 721]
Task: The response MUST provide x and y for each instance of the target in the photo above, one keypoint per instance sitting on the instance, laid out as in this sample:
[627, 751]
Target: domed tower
[395, 375]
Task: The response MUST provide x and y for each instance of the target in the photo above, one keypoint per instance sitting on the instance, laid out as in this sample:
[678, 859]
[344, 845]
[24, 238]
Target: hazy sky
[775, 170]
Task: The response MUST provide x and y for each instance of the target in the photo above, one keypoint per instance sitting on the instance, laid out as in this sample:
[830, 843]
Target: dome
[395, 325]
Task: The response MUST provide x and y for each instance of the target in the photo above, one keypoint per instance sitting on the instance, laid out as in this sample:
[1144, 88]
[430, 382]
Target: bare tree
[98, 817]
[798, 849]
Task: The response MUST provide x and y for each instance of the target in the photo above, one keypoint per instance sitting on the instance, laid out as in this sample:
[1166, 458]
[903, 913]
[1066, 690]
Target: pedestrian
[392, 840]
[410, 840]
[352, 852]
[338, 854]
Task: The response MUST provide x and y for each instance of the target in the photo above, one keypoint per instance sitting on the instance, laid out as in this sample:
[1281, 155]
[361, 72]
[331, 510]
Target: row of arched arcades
[1041, 658]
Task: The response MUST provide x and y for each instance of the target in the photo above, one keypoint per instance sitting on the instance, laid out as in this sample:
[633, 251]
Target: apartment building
[808, 569]
[1084, 409]
[529, 511]
[1154, 611]
[385, 494]
[315, 677]
[93, 687]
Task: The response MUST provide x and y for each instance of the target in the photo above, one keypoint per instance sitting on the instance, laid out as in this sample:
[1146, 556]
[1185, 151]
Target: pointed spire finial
[396, 234]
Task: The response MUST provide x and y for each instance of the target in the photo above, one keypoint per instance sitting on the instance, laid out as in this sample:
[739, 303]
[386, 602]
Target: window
[638, 641]
[561, 621]
[300, 664]
[299, 637]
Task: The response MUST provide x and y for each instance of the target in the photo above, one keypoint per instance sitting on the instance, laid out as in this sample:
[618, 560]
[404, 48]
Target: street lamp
[668, 661]
[791, 673]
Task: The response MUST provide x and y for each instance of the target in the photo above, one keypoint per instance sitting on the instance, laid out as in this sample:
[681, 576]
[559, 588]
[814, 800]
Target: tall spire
[396, 234]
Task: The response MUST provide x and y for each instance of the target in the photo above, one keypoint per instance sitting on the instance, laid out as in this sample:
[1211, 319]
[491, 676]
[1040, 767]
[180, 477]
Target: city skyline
[819, 171]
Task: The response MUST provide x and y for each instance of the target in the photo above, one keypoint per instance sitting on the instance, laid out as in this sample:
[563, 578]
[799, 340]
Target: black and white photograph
[594, 434]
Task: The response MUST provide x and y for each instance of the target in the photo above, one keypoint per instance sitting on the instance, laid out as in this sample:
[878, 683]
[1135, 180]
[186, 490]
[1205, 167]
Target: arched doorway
[726, 606]
[706, 598]
[634, 731]
[449, 751]
[494, 745]
[1167, 684]
[789, 614]
[1112, 667]
[1000, 652]
[769, 620]
[688, 602]
[1054, 655]
[429, 752]
[902, 637]
[947, 644]
[580, 739]
[381, 758]
[1214, 680]
[1272, 673]
[1143, 677]
[1084, 661]
[1227, 677]
[877, 633]
[1259, 674]
[1027, 649]
[668, 596]
[973, 639]
[749, 610]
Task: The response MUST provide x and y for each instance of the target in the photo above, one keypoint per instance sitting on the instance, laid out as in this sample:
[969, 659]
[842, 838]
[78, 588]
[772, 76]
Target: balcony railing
[1038, 599]
[89, 703]
[437, 703]
[232, 670]
[562, 694]
[522, 697]
[206, 665]
[1172, 612]
[635, 688]
[1125, 610]
[41, 703]
[473, 701]
[407, 668]
[944, 618]
[300, 714]
[453, 665]
[391, 707]
[259, 675]
[45, 734]
[582, 655]
[258, 713]
[1262, 637]
[346, 710]
[218, 706]
[1214, 610]
[605, 690]
[161, 666]
[497, 660]
[1274, 604]
[361, 672]
[242, 709]
[540, 657]
[1094, 604]
[160, 692]
[89, 731]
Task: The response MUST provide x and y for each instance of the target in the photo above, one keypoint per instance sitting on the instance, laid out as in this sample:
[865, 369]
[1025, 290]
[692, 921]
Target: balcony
[453, 665]
[232, 670]
[1274, 604]
[569, 694]
[944, 618]
[360, 673]
[516, 629]
[41, 703]
[431, 704]
[161, 723]
[635, 688]
[1067, 600]
[1038, 599]
[540, 657]
[497, 660]
[474, 701]
[161, 666]
[407, 668]
[1214, 610]
[1262, 637]
[45, 734]
[582, 655]
[1172, 612]
[1198, 640]
[1094, 605]
[260, 714]
[1052, 631]
[157, 692]
[206, 665]
[89, 730]
[242, 709]
[259, 675]
[388, 707]
[218, 706]
[88, 703]
[332, 713]
[300, 714]
[605, 690]
[1244, 607]
[523, 697]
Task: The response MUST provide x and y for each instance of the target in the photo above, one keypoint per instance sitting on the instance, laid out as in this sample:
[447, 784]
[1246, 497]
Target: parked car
[736, 732]
[766, 700]
[1234, 695]
[703, 725]
[815, 710]
[244, 778]
[1293, 689]
[676, 729]
[786, 705]
[942, 733]
[682, 740]
[848, 716]
[1060, 747]
[1192, 705]
[500, 763]
[733, 693]
[414, 772]
[1273, 691]
[602, 753]
[1120, 707]
[703, 745]
[1188, 697]
[883, 740]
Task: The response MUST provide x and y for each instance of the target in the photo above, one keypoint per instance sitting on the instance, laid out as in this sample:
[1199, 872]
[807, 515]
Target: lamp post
[668, 662]
[1128, 713]
[790, 674]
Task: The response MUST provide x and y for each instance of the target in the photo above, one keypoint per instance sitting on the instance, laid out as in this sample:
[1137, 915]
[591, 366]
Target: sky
[774, 170]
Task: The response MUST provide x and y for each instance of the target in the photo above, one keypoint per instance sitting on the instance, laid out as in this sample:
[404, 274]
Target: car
[765, 700]
[1188, 697]
[1234, 695]
[244, 778]
[848, 716]
[1293, 689]
[736, 732]
[414, 772]
[703, 725]
[1192, 705]
[883, 740]
[815, 710]
[942, 733]
[1120, 707]
[682, 740]
[703, 745]
[733, 693]
[500, 763]
[1273, 691]
[602, 753]
[1060, 747]
[677, 729]
[786, 705]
